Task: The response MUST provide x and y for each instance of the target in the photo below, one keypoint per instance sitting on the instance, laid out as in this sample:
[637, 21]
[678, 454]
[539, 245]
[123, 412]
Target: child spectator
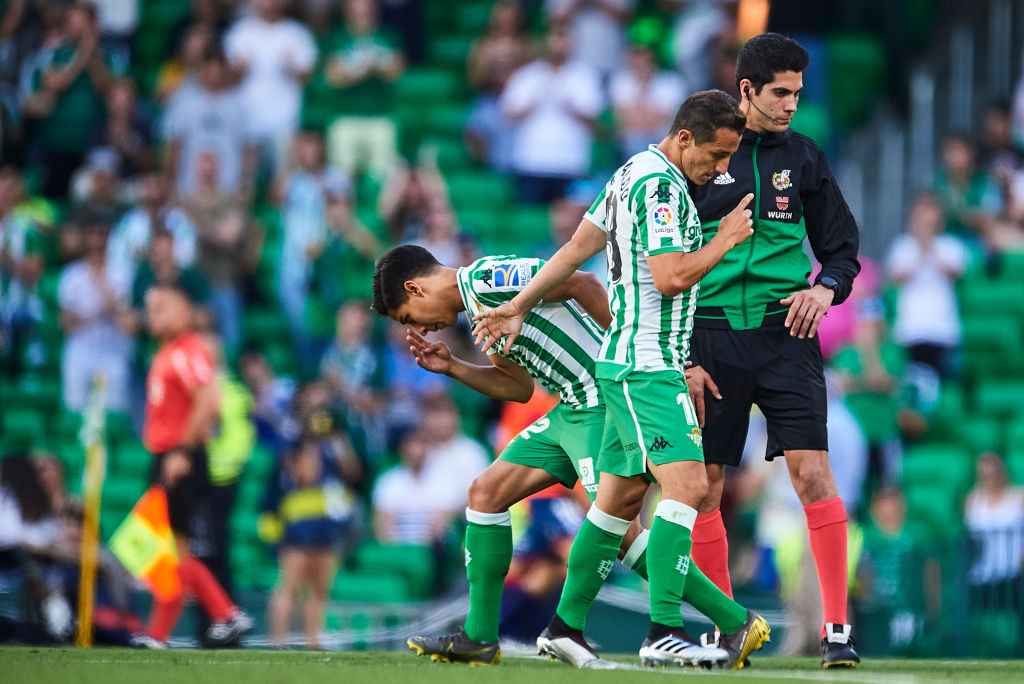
[309, 534]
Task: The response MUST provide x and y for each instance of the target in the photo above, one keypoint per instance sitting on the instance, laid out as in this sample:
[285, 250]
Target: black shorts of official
[183, 497]
[783, 375]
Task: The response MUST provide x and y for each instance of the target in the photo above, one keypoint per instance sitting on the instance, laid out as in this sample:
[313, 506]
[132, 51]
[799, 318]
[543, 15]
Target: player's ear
[412, 288]
[684, 138]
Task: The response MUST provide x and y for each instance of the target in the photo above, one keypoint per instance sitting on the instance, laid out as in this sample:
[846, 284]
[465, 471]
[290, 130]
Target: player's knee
[812, 478]
[483, 493]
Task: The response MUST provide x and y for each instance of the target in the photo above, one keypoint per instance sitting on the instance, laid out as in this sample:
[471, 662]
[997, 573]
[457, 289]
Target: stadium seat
[945, 466]
[1015, 433]
[1011, 266]
[414, 563]
[479, 191]
[472, 17]
[122, 493]
[426, 85]
[1015, 465]
[997, 297]
[935, 509]
[450, 51]
[369, 587]
[132, 460]
[997, 397]
[982, 433]
[858, 61]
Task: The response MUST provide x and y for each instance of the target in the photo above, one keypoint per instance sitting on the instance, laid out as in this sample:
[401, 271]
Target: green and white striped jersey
[559, 341]
[646, 210]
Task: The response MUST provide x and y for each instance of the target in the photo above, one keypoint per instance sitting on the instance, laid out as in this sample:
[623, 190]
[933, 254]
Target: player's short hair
[766, 55]
[705, 112]
[393, 270]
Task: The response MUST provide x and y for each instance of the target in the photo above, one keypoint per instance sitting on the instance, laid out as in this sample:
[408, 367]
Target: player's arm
[588, 291]
[677, 271]
[503, 380]
[507, 319]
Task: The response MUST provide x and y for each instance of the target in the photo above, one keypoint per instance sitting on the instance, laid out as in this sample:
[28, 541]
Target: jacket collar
[767, 139]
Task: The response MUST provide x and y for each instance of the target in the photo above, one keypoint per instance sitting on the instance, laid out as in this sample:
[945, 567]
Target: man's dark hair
[705, 112]
[393, 270]
[766, 55]
[176, 285]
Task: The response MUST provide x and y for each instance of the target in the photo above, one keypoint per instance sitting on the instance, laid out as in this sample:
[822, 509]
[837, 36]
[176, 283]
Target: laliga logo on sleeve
[663, 215]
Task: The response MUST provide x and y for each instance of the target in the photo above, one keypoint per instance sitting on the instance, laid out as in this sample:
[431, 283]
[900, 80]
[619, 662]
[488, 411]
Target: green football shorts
[565, 442]
[649, 417]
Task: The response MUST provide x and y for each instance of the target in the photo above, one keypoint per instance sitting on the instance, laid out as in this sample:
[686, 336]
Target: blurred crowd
[214, 174]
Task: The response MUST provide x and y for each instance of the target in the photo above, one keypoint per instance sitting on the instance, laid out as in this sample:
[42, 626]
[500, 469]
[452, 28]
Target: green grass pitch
[123, 666]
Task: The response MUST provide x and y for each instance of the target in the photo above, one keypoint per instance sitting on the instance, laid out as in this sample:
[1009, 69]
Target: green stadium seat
[452, 156]
[857, 60]
[445, 120]
[24, 424]
[479, 191]
[991, 343]
[472, 18]
[132, 460]
[426, 85]
[414, 563]
[812, 120]
[122, 493]
[369, 587]
[1002, 634]
[119, 429]
[1011, 266]
[997, 397]
[946, 466]
[995, 297]
[1015, 465]
[532, 223]
[265, 325]
[1015, 433]
[450, 50]
[935, 509]
[982, 433]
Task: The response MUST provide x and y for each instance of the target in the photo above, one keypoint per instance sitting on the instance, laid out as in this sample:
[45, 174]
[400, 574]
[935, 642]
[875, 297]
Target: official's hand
[176, 466]
[806, 309]
[698, 382]
[737, 226]
[432, 356]
[504, 321]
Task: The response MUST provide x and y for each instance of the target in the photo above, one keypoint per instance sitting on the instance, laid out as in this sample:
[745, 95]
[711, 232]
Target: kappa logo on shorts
[659, 444]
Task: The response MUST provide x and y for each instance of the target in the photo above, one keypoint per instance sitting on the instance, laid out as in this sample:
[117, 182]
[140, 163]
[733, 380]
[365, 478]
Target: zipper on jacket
[750, 253]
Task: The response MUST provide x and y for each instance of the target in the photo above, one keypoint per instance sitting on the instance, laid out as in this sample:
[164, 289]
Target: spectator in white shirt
[91, 296]
[454, 459]
[129, 242]
[645, 100]
[211, 117]
[994, 515]
[408, 507]
[553, 103]
[927, 264]
[274, 54]
[598, 29]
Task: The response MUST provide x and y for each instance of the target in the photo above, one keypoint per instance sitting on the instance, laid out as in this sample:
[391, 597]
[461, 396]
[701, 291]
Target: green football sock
[488, 555]
[699, 591]
[668, 560]
[592, 557]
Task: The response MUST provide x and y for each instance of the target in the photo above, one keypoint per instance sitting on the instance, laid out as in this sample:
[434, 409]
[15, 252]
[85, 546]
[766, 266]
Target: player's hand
[737, 226]
[698, 382]
[806, 309]
[432, 356]
[504, 321]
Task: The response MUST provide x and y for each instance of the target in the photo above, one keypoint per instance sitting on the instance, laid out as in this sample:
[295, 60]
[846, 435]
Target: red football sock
[197, 579]
[711, 549]
[826, 521]
[164, 616]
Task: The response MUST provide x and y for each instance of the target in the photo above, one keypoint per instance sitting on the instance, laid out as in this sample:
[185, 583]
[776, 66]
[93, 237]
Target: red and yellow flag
[144, 544]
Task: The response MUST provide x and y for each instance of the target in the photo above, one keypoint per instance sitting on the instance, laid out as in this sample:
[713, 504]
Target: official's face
[776, 103]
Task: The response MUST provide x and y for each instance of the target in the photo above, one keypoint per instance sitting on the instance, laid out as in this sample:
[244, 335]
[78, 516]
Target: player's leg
[790, 390]
[531, 462]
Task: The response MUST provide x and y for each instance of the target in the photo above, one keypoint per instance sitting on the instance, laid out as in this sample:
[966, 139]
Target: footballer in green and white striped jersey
[645, 209]
[559, 340]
